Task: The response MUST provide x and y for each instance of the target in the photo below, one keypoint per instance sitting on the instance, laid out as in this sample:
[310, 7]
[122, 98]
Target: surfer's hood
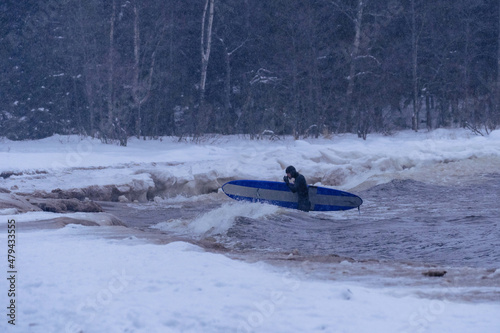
[291, 170]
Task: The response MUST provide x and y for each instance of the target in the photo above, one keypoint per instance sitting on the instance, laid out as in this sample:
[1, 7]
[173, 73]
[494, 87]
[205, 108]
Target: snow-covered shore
[71, 282]
[197, 168]
[80, 279]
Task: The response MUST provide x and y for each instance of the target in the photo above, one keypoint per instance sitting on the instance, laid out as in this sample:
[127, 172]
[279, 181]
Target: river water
[402, 221]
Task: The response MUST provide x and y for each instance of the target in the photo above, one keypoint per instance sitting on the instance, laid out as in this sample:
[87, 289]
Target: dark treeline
[116, 68]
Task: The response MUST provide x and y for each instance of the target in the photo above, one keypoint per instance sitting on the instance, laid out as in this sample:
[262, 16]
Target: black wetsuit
[300, 187]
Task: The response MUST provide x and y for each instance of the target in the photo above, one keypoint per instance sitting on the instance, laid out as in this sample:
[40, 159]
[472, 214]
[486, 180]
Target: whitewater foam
[218, 221]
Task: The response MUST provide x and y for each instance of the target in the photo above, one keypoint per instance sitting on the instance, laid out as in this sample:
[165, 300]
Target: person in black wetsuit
[300, 186]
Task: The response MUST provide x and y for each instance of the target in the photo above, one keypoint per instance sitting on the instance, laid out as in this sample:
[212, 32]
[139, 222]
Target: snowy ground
[105, 279]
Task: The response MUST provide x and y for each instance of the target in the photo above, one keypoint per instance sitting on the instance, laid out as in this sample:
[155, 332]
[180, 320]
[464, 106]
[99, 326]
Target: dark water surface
[401, 221]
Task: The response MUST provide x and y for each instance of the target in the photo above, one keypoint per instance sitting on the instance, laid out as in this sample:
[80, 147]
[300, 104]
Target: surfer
[299, 187]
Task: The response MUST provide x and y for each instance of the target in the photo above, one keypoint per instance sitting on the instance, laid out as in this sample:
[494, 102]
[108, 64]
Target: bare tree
[113, 128]
[111, 71]
[414, 63]
[227, 79]
[141, 87]
[232, 30]
[355, 51]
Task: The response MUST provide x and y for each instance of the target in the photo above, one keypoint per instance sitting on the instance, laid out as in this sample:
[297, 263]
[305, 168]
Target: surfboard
[278, 193]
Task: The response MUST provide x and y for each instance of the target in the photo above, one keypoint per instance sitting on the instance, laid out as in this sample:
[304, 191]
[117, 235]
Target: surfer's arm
[292, 187]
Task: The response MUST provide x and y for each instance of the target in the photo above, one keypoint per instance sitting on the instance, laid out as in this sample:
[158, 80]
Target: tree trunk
[135, 83]
[414, 60]
[428, 108]
[206, 45]
[226, 119]
[352, 69]
[496, 111]
[466, 115]
[141, 87]
[110, 97]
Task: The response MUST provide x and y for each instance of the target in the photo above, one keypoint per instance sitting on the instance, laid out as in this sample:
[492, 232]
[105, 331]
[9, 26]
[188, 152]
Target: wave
[219, 220]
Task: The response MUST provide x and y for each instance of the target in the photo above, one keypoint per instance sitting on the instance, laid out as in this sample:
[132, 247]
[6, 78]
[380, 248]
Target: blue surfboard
[278, 193]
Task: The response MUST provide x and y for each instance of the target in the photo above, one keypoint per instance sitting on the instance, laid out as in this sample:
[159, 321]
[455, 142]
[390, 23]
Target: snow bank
[167, 168]
[12, 204]
[70, 282]
[94, 219]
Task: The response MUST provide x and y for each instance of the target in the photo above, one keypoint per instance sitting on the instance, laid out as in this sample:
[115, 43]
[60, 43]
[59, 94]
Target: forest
[114, 69]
